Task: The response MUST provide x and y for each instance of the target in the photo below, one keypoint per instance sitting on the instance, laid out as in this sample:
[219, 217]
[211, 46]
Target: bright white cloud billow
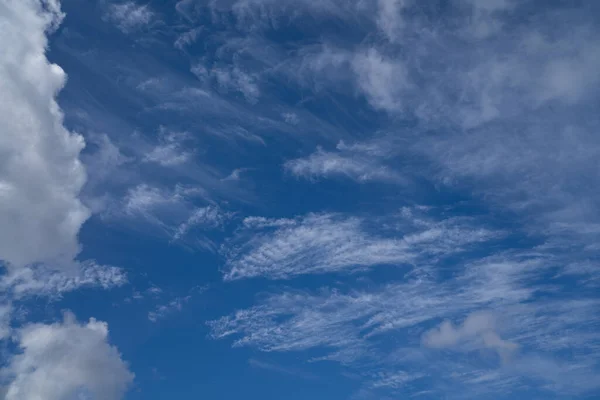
[41, 214]
[40, 172]
[65, 360]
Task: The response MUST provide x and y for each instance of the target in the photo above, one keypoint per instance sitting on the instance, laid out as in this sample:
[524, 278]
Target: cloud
[187, 38]
[209, 217]
[65, 360]
[355, 162]
[325, 243]
[235, 174]
[171, 150]
[163, 310]
[40, 172]
[174, 305]
[184, 215]
[42, 281]
[479, 325]
[262, 222]
[384, 81]
[355, 326]
[228, 79]
[389, 18]
[5, 318]
[129, 16]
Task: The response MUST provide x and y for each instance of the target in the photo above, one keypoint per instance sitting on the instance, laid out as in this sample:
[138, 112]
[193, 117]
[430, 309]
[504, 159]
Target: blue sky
[324, 199]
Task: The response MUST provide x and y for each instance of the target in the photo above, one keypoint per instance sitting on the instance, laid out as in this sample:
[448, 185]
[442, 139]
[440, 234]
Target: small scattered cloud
[171, 150]
[356, 162]
[129, 16]
[291, 118]
[235, 174]
[174, 305]
[164, 310]
[478, 327]
[187, 38]
[262, 222]
[210, 217]
[230, 79]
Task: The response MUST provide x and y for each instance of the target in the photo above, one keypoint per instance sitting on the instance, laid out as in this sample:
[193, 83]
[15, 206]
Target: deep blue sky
[324, 199]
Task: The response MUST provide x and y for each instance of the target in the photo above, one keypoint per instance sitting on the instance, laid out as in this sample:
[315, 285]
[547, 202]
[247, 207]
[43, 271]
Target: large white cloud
[40, 172]
[64, 361]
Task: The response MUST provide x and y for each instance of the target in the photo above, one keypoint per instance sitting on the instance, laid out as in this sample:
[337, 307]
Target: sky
[307, 199]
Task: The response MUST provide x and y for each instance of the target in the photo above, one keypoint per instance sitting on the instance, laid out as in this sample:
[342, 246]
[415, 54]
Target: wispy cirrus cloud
[354, 162]
[174, 305]
[184, 214]
[42, 281]
[163, 310]
[353, 327]
[323, 243]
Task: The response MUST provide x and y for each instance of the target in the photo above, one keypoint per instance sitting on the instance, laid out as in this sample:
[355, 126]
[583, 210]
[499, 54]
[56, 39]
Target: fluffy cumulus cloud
[41, 214]
[65, 360]
[40, 172]
[479, 326]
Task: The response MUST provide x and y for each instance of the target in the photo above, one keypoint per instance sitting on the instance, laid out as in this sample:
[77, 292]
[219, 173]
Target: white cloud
[209, 217]
[171, 150]
[187, 38]
[353, 162]
[143, 198]
[262, 222]
[477, 326]
[129, 16]
[65, 360]
[40, 172]
[5, 318]
[322, 243]
[235, 174]
[231, 79]
[383, 326]
[41, 281]
[164, 310]
[389, 18]
[384, 81]
[395, 380]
